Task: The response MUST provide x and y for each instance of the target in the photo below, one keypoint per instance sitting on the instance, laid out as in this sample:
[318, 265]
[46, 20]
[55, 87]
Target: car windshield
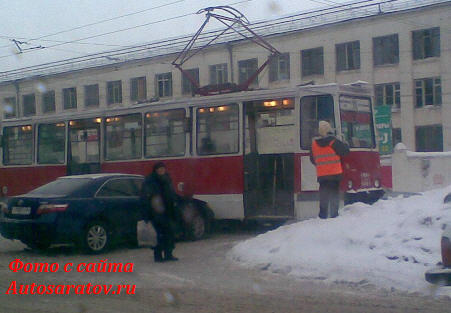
[60, 187]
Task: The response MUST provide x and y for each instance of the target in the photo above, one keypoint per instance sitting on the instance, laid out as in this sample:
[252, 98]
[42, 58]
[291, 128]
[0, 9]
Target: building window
[92, 95]
[218, 74]
[164, 84]
[312, 61]
[348, 56]
[48, 102]
[114, 92]
[279, 68]
[29, 105]
[429, 138]
[187, 85]
[426, 43]
[396, 136]
[386, 50]
[9, 107]
[70, 98]
[388, 94]
[247, 68]
[428, 91]
[138, 89]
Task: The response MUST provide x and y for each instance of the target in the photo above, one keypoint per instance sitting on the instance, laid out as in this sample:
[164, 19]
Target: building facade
[404, 53]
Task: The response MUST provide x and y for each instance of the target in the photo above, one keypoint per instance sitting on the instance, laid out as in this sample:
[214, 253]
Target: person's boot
[158, 255]
[322, 213]
[168, 256]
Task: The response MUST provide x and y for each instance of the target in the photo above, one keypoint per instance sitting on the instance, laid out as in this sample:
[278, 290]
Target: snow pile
[389, 244]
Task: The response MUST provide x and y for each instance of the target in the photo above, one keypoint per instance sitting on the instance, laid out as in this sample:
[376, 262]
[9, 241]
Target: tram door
[84, 147]
[269, 158]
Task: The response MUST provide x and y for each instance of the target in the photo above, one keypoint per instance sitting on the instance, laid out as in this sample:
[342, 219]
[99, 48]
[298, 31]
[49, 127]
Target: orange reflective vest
[327, 161]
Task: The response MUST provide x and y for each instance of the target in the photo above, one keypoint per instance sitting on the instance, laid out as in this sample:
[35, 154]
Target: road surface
[203, 280]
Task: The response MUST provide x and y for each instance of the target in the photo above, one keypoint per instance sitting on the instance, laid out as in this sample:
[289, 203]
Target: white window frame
[116, 92]
[351, 52]
[396, 87]
[70, 94]
[275, 72]
[436, 96]
[166, 80]
[309, 68]
[220, 74]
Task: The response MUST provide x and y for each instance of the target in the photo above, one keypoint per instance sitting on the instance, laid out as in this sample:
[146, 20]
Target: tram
[245, 153]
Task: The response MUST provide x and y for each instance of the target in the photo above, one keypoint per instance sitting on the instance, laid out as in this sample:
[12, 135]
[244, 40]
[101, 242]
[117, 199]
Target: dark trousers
[165, 236]
[328, 198]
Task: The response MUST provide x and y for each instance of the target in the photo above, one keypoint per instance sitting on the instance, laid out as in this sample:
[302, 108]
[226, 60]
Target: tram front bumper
[366, 196]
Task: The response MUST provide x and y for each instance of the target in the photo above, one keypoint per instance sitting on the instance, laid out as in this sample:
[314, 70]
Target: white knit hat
[324, 128]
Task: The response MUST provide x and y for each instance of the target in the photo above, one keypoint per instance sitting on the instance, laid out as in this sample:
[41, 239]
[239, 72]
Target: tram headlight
[349, 184]
[377, 183]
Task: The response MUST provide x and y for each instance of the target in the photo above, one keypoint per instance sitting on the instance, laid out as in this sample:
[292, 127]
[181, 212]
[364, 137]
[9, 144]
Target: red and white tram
[246, 153]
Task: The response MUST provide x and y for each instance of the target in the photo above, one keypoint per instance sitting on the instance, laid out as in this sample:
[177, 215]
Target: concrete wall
[420, 171]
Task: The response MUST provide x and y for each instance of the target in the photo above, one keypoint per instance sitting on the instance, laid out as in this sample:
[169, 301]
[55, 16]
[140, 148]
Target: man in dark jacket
[326, 155]
[159, 202]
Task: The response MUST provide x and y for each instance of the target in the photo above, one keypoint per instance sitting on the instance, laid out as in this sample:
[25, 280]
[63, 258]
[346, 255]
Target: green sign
[383, 128]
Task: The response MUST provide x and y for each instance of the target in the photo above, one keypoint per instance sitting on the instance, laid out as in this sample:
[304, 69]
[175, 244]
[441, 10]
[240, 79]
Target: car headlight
[349, 184]
[3, 207]
[377, 183]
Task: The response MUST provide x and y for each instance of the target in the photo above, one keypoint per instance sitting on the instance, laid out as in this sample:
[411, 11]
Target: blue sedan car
[92, 210]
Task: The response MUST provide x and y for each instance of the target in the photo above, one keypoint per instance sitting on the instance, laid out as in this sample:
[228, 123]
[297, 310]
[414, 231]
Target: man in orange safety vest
[326, 155]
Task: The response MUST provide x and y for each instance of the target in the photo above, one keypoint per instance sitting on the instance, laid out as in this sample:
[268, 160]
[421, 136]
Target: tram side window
[84, 141]
[18, 145]
[217, 130]
[51, 143]
[165, 133]
[123, 137]
[315, 109]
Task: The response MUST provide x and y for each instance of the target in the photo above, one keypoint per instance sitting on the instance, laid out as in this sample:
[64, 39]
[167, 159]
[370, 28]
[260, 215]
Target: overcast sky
[32, 21]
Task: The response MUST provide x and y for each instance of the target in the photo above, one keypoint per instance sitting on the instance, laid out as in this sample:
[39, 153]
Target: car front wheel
[96, 238]
[198, 227]
[194, 222]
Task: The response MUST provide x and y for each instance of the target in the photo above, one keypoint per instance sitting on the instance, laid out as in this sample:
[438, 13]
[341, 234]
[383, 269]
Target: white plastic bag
[146, 234]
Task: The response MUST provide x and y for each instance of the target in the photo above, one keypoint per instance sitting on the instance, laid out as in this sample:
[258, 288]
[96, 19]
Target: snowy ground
[389, 244]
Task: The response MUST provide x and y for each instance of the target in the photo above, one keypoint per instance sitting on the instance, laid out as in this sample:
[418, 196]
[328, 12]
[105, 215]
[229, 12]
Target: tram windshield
[357, 122]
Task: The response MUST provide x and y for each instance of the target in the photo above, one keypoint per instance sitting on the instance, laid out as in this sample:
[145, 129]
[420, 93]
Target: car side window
[138, 183]
[120, 187]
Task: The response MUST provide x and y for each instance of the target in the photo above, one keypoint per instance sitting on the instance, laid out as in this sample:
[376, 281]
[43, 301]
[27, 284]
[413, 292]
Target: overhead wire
[166, 43]
[89, 24]
[122, 30]
[256, 27]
